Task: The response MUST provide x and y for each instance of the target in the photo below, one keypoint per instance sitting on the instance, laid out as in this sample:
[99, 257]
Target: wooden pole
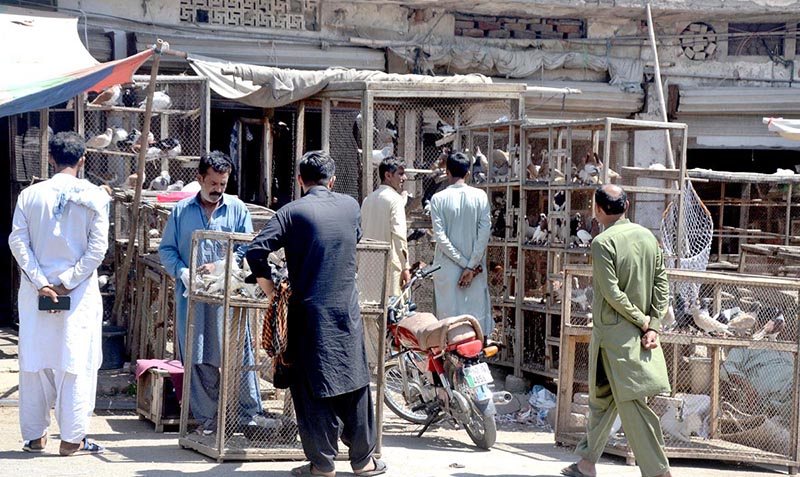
[160, 47]
[659, 87]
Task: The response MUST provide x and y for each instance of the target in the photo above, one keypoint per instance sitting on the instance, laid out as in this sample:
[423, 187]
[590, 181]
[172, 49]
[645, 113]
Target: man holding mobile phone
[59, 237]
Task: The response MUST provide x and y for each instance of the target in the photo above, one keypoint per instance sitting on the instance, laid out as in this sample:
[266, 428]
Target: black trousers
[321, 421]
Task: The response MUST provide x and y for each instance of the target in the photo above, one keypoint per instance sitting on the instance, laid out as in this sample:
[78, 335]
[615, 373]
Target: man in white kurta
[461, 228]
[59, 237]
[383, 217]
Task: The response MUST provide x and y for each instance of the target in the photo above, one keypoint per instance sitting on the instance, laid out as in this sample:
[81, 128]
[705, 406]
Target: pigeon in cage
[540, 232]
[444, 129]
[161, 101]
[101, 141]
[559, 200]
[741, 323]
[129, 97]
[161, 182]
[120, 135]
[176, 186]
[575, 224]
[171, 147]
[590, 172]
[581, 296]
[705, 322]
[480, 167]
[772, 329]
[498, 223]
[152, 154]
[110, 96]
[500, 165]
[669, 317]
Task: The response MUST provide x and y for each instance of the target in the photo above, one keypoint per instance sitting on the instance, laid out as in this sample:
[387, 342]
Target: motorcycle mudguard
[486, 406]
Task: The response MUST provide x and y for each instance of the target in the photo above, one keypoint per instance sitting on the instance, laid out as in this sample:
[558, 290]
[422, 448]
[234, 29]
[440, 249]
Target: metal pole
[137, 198]
[659, 87]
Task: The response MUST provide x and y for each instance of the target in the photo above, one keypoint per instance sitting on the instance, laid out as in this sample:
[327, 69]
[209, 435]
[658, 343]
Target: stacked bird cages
[731, 347]
[416, 121]
[248, 344]
[179, 129]
[540, 177]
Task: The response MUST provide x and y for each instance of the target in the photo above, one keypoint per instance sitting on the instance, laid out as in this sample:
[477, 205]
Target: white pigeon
[529, 231]
[101, 141]
[119, 135]
[672, 425]
[152, 153]
[669, 318]
[579, 295]
[161, 182]
[177, 186]
[161, 101]
[584, 237]
[704, 321]
[379, 154]
[102, 281]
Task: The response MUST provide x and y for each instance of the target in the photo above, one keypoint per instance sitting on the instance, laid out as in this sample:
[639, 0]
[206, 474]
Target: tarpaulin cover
[268, 87]
[43, 62]
[788, 128]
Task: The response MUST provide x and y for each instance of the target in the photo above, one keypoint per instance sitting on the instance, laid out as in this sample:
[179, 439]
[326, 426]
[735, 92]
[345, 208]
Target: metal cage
[735, 392]
[275, 434]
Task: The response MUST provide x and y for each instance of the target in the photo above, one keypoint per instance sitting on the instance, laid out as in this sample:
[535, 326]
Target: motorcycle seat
[433, 333]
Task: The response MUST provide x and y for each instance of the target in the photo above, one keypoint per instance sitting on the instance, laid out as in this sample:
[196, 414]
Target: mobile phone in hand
[47, 304]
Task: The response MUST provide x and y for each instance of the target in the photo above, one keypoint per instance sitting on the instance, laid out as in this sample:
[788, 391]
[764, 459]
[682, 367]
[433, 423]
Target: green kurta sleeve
[604, 281]
[660, 303]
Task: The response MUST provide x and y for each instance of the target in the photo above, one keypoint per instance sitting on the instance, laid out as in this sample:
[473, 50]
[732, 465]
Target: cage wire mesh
[746, 328]
[765, 259]
[178, 127]
[257, 420]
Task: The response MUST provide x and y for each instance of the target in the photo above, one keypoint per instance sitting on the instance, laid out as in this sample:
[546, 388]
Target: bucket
[113, 347]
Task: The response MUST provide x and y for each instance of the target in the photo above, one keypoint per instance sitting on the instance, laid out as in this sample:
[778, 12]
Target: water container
[113, 347]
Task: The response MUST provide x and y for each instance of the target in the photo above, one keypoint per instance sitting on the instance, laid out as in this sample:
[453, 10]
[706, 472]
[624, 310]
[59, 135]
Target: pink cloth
[174, 196]
[173, 367]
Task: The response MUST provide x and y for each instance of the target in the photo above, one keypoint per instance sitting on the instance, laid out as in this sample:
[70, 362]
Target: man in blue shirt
[210, 209]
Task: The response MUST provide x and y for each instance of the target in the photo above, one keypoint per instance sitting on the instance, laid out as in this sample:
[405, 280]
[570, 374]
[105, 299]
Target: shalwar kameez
[461, 227]
[630, 282]
[59, 236]
[175, 251]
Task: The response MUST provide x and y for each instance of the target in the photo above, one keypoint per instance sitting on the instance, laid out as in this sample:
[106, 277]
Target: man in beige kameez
[626, 365]
[383, 217]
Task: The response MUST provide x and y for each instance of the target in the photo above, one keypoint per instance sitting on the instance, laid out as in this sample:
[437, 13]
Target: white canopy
[788, 128]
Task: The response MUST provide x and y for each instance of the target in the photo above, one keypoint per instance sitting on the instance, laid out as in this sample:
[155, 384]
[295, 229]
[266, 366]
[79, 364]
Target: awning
[267, 87]
[788, 128]
[736, 101]
[48, 64]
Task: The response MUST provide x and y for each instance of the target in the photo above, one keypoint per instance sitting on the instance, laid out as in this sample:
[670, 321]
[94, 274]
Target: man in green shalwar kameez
[626, 365]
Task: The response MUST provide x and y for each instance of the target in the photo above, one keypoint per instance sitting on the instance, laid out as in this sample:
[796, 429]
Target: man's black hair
[389, 165]
[216, 160]
[316, 167]
[458, 164]
[67, 148]
[610, 205]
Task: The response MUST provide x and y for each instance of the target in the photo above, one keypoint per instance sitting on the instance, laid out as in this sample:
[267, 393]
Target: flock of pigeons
[731, 321]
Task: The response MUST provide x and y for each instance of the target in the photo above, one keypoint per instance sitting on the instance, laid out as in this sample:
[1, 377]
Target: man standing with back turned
[461, 228]
[330, 387]
[626, 365]
[59, 237]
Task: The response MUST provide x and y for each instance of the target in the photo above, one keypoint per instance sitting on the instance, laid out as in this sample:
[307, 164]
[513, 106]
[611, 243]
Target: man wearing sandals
[59, 237]
[626, 365]
[326, 352]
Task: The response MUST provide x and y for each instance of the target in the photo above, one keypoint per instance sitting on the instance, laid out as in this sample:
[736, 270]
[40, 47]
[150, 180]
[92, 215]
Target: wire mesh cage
[766, 259]
[255, 420]
[749, 208]
[731, 356]
[179, 132]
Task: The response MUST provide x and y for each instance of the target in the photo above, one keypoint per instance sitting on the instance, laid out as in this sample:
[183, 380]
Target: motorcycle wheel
[481, 429]
[393, 393]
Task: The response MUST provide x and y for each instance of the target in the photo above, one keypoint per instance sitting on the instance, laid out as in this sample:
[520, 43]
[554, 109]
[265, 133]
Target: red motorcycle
[435, 368]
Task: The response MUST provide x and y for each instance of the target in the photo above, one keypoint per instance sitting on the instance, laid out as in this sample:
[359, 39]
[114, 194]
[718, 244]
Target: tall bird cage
[416, 121]
[251, 339]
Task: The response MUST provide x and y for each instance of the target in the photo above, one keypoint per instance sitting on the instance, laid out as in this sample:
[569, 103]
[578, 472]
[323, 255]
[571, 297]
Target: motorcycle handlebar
[428, 271]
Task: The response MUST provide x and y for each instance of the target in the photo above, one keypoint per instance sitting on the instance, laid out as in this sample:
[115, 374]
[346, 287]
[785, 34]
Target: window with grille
[756, 39]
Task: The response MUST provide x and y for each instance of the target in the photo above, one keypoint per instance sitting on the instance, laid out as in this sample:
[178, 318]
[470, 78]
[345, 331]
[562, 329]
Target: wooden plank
[300, 139]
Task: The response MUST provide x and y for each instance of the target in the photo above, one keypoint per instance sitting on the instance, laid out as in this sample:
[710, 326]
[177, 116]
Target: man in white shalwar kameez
[59, 237]
[461, 228]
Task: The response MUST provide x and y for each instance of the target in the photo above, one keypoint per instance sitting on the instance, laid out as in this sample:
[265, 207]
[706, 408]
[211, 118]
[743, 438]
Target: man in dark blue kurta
[319, 233]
